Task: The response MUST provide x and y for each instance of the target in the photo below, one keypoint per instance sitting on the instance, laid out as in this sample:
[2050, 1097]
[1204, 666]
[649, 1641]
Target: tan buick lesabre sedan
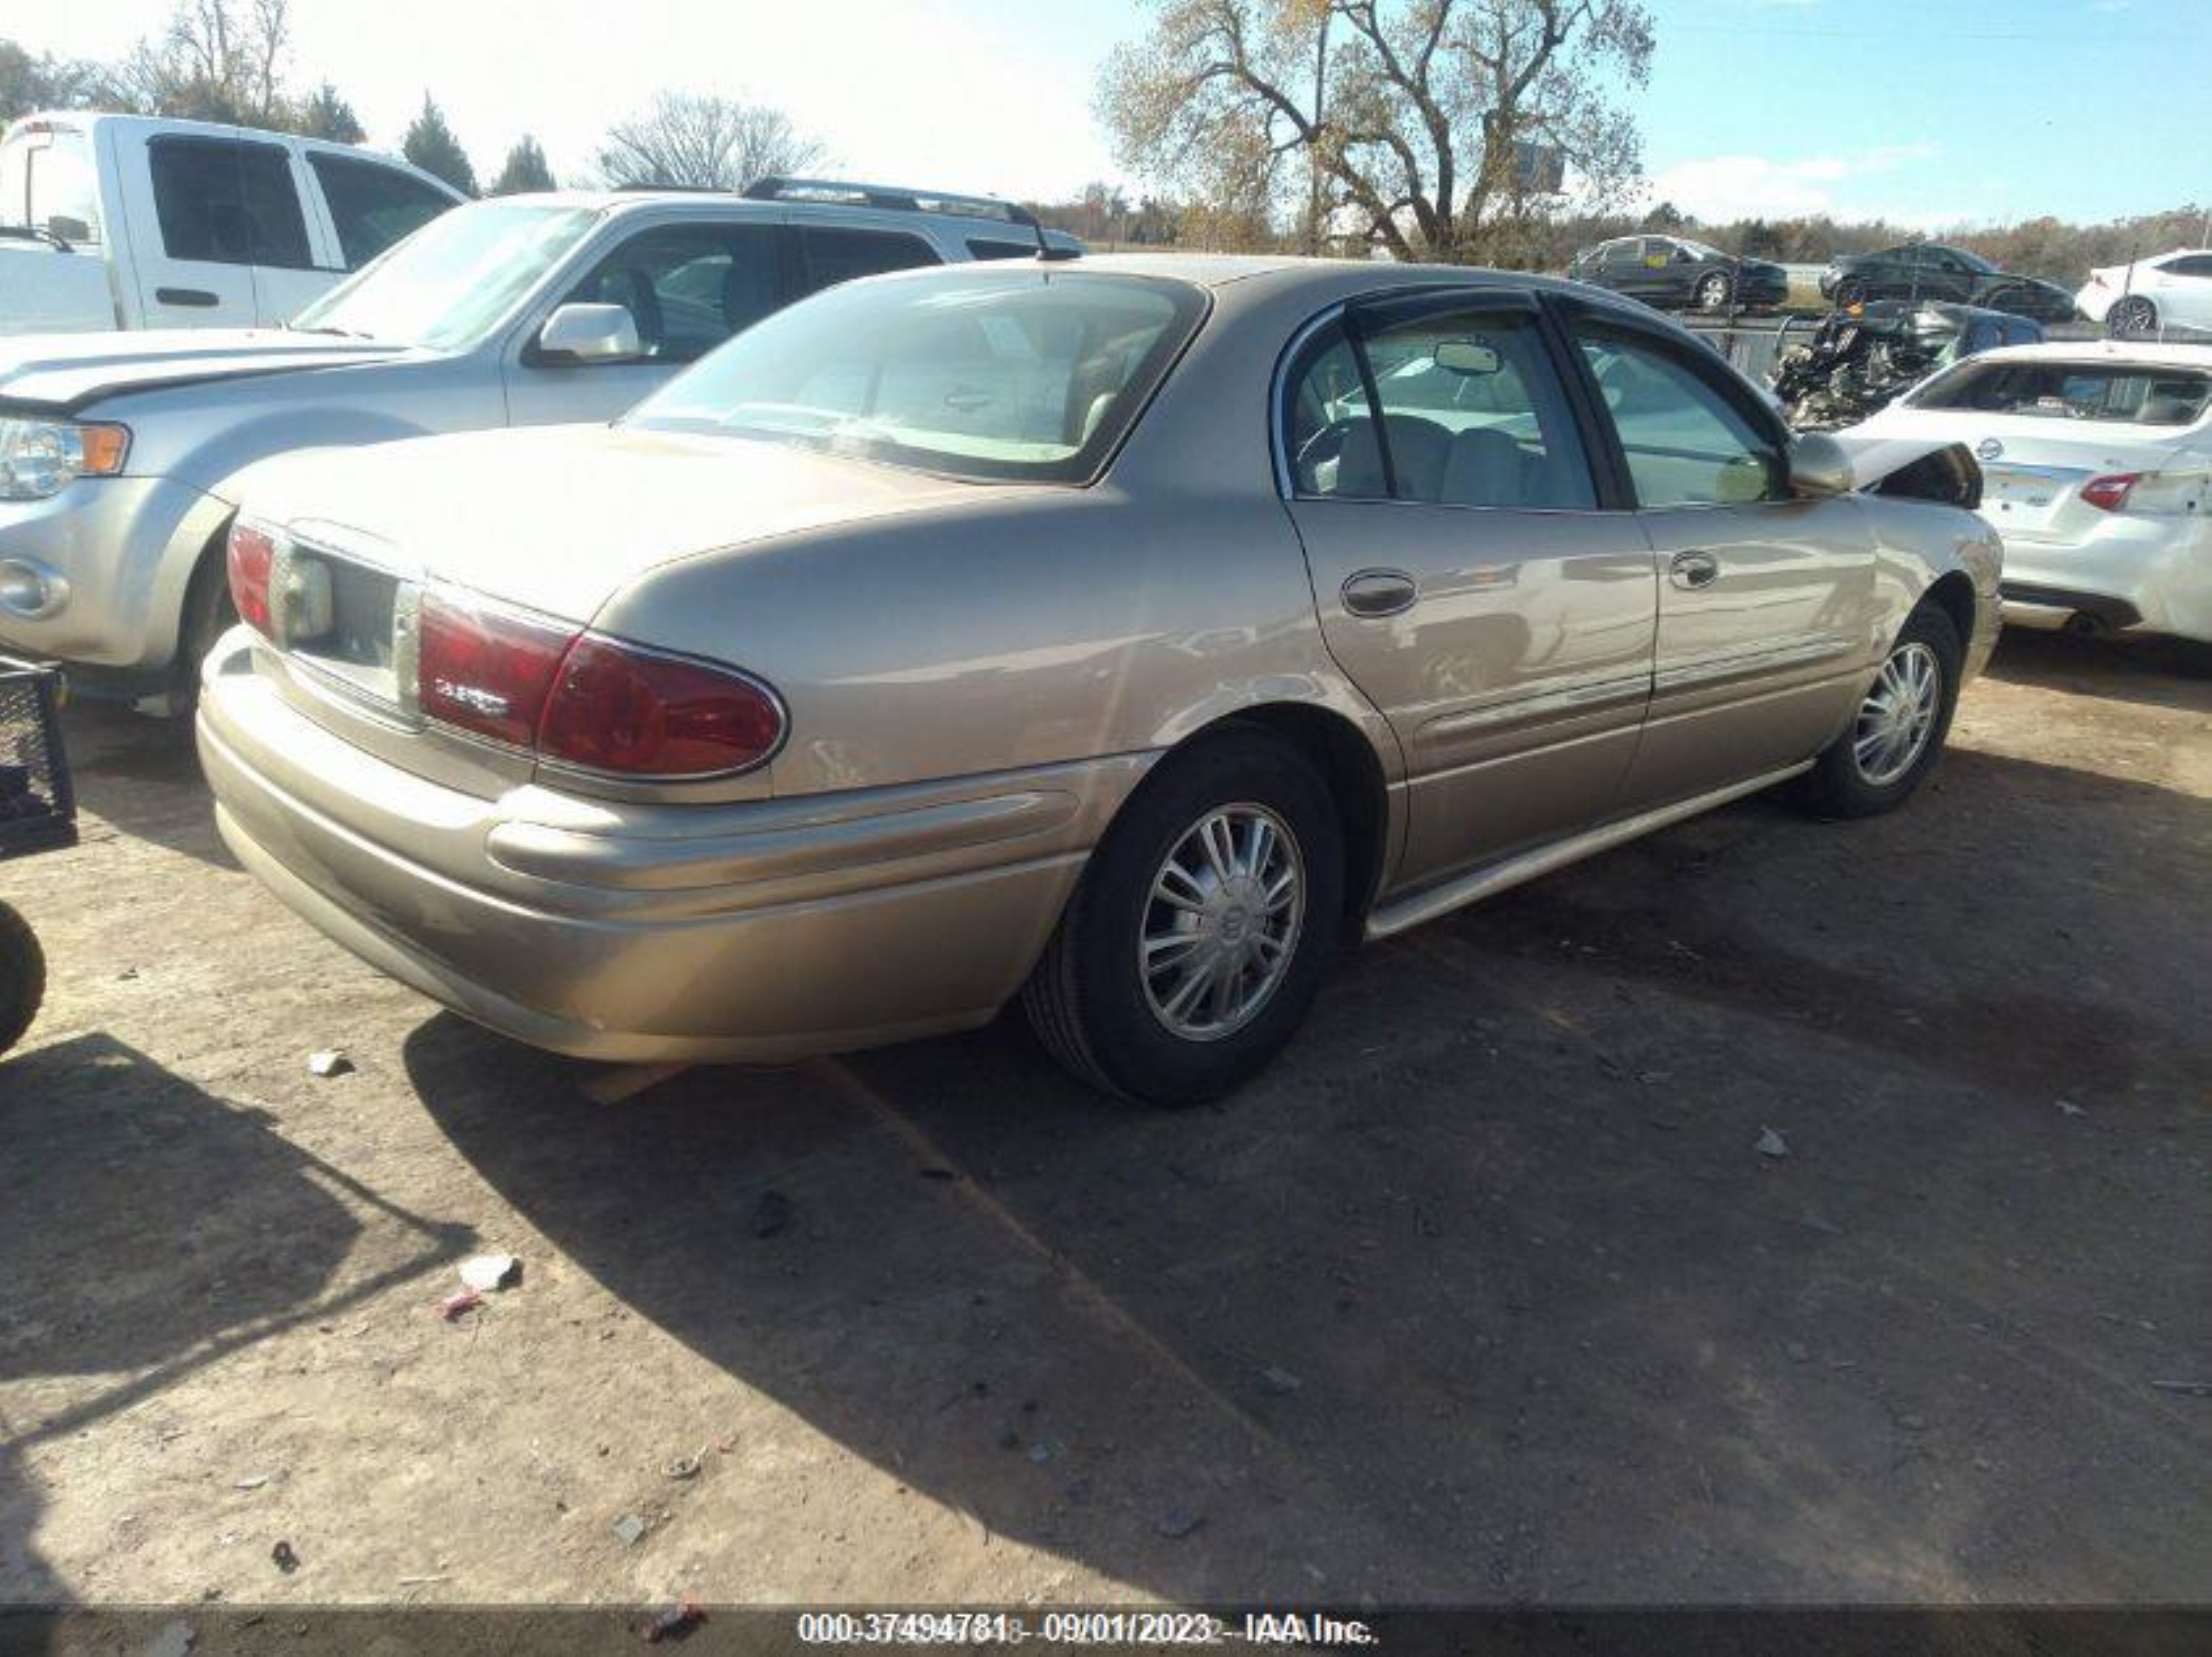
[1126, 636]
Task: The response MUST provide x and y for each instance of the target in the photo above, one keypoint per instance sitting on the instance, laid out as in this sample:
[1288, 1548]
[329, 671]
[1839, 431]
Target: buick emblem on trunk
[1989, 448]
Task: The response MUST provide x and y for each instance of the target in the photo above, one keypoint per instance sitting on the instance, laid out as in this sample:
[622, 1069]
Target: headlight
[39, 457]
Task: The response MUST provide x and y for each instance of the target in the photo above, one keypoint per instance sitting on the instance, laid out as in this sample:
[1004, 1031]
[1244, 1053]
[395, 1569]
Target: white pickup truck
[112, 222]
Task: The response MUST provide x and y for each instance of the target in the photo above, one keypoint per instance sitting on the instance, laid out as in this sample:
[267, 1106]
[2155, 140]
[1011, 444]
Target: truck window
[47, 173]
[829, 255]
[228, 203]
[373, 206]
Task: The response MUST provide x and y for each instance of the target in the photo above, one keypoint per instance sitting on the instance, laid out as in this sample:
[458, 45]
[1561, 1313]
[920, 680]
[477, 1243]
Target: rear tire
[1712, 294]
[22, 977]
[1897, 730]
[1202, 929]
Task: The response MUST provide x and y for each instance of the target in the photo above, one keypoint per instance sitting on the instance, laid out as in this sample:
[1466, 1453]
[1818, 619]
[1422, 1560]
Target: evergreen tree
[431, 145]
[526, 169]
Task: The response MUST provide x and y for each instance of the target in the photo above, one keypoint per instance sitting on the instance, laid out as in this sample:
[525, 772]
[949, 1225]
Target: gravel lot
[1486, 1293]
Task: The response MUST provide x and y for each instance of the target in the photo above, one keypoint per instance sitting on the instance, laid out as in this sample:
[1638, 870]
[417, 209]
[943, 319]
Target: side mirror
[72, 230]
[590, 333]
[1819, 465]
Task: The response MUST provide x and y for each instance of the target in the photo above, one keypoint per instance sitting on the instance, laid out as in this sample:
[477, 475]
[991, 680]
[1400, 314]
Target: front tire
[209, 613]
[1201, 931]
[22, 977]
[1713, 293]
[1898, 729]
[2131, 316]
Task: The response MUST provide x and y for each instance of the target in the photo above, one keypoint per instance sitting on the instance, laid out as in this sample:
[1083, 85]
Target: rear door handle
[197, 299]
[1374, 592]
[1694, 569]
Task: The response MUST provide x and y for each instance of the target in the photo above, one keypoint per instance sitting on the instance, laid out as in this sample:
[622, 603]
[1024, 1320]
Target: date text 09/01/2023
[1081, 1628]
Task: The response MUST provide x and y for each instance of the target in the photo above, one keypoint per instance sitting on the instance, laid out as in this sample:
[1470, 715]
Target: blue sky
[1931, 111]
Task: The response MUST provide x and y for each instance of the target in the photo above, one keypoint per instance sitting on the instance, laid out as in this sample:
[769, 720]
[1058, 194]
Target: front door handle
[1692, 570]
[196, 298]
[1374, 592]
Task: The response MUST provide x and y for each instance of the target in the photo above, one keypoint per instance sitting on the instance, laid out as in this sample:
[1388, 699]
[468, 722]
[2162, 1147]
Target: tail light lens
[252, 557]
[584, 699]
[616, 708]
[483, 668]
[2110, 492]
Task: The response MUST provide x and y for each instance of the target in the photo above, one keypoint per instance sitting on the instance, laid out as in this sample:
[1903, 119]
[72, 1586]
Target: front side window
[829, 255]
[2117, 393]
[373, 206]
[689, 287]
[227, 203]
[1023, 377]
[1686, 442]
[48, 176]
[1471, 414]
[446, 286]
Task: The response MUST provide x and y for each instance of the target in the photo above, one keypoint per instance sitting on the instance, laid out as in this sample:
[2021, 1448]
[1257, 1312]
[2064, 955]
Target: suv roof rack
[775, 188]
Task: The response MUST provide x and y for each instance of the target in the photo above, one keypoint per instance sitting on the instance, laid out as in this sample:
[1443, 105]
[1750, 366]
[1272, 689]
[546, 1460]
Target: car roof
[727, 201]
[2104, 353]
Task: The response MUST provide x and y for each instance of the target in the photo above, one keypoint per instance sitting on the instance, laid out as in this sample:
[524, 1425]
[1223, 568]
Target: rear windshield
[2126, 393]
[1027, 376]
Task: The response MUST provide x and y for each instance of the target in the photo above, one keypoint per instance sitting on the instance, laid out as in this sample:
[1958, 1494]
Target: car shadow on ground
[2156, 673]
[1488, 1291]
[140, 775]
[148, 1230]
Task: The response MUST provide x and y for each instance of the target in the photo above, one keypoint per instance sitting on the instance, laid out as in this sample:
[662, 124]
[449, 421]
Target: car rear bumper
[775, 930]
[2151, 573]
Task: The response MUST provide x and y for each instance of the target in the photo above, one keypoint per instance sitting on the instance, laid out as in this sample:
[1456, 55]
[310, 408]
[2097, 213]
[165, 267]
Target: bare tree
[1427, 124]
[705, 142]
[218, 60]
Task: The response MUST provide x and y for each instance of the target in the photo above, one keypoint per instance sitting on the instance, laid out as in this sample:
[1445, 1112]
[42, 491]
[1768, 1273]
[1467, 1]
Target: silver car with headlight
[1126, 638]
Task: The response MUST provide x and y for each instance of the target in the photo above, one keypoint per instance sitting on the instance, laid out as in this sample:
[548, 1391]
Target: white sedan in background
[2173, 290]
[2096, 474]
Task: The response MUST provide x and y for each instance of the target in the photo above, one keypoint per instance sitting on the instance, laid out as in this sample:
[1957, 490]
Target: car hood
[66, 372]
[558, 518]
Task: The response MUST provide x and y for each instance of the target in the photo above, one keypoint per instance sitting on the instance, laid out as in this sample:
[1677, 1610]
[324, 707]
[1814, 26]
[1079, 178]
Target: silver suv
[120, 459]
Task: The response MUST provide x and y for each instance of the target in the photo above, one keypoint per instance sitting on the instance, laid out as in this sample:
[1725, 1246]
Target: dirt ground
[1485, 1294]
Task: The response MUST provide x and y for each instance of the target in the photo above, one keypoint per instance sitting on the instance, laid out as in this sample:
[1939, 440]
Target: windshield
[1028, 376]
[2126, 393]
[447, 283]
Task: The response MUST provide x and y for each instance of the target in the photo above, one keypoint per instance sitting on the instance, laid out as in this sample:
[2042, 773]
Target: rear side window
[1470, 415]
[1686, 443]
[828, 255]
[2195, 264]
[228, 203]
[373, 206]
[2121, 394]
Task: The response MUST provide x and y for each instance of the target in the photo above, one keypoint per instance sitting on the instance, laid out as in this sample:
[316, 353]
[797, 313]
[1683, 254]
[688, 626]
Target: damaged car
[2097, 461]
[1126, 639]
[1856, 361]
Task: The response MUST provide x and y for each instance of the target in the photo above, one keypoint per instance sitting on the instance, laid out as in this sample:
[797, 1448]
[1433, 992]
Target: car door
[1469, 579]
[688, 287]
[1766, 610]
[193, 240]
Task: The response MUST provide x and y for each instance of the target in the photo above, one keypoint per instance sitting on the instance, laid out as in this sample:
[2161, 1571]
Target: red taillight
[252, 553]
[621, 709]
[2110, 493]
[583, 699]
[484, 669]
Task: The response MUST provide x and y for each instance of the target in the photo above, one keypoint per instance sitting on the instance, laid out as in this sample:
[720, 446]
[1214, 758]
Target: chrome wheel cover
[1713, 293]
[1897, 716]
[1221, 922]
